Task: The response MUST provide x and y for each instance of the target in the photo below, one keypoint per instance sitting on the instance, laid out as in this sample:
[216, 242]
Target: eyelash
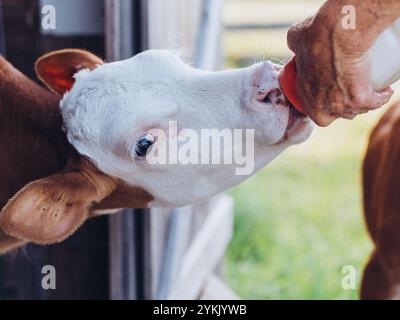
[141, 149]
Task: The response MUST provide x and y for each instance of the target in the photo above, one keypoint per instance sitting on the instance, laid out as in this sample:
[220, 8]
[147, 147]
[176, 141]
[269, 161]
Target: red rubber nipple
[287, 80]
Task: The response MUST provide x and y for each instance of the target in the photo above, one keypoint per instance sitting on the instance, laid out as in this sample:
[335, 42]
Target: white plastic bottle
[385, 57]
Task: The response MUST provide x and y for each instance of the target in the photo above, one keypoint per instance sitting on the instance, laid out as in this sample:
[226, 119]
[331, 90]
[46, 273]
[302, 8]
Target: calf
[381, 185]
[114, 116]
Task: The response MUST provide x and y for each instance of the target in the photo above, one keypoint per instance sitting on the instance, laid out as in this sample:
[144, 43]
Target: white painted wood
[209, 48]
[173, 25]
[216, 289]
[177, 238]
[205, 251]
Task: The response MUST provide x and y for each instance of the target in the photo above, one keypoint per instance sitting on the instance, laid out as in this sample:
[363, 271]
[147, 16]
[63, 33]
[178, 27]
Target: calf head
[122, 118]
[142, 121]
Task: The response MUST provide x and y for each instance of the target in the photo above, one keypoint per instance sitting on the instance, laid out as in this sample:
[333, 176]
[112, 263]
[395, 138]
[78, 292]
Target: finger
[293, 35]
[364, 110]
[321, 115]
[350, 115]
[324, 120]
[378, 99]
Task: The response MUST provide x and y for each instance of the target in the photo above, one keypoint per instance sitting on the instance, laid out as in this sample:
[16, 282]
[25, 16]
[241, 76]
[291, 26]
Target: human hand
[333, 73]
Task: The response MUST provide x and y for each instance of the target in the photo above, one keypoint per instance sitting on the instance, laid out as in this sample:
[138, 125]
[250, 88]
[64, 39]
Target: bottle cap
[287, 80]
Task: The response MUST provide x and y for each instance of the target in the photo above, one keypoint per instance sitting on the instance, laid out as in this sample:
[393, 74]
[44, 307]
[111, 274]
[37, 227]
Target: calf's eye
[143, 145]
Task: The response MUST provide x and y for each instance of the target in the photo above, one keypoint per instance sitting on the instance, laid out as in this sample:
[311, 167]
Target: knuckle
[291, 37]
[324, 121]
[357, 100]
[349, 115]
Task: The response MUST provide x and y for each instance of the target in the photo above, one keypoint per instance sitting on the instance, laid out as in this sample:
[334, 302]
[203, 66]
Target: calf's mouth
[294, 117]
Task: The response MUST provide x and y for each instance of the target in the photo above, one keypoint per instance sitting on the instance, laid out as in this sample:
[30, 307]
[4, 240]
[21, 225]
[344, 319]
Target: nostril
[267, 96]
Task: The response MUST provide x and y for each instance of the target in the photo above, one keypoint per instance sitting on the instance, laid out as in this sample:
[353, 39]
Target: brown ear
[57, 68]
[51, 209]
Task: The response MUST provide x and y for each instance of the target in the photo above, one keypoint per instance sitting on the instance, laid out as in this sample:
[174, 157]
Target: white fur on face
[110, 108]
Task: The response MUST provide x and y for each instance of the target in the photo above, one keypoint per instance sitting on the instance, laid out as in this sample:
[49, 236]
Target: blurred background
[298, 221]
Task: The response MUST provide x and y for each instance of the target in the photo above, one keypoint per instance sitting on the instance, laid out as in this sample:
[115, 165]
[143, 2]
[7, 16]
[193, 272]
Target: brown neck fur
[32, 144]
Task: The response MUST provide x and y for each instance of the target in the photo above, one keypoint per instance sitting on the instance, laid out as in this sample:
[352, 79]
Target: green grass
[299, 220]
[249, 45]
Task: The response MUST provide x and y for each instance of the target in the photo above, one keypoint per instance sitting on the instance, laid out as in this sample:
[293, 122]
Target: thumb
[295, 32]
[379, 98]
[292, 37]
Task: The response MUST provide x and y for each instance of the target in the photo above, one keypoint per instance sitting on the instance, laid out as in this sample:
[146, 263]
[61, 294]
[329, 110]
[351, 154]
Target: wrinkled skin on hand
[333, 79]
